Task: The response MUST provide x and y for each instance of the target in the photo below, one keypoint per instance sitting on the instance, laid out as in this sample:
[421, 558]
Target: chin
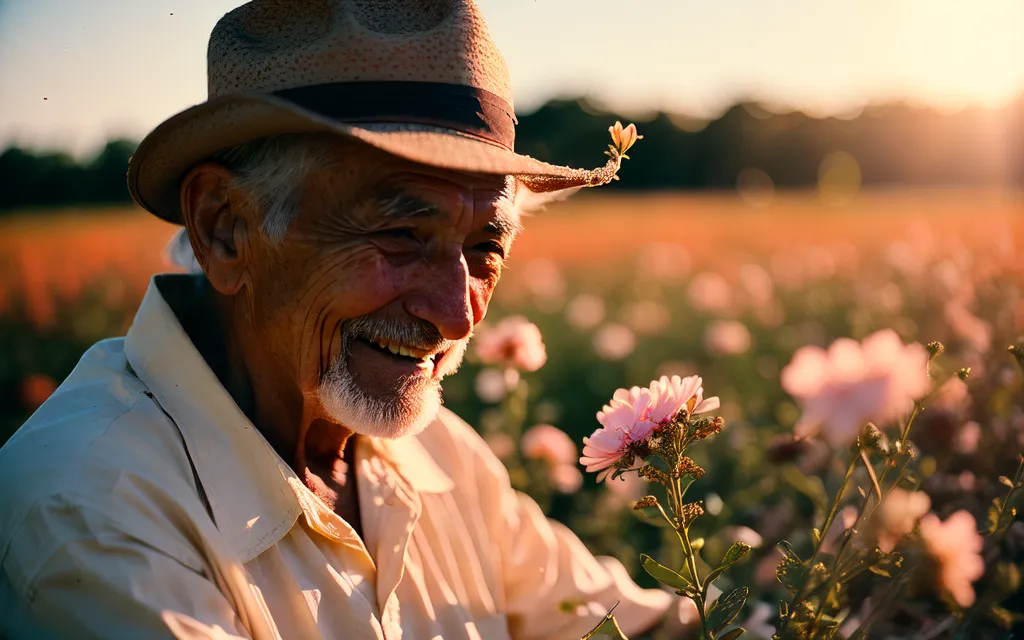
[407, 412]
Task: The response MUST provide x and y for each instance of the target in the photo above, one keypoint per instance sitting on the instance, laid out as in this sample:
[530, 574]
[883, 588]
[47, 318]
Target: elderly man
[264, 455]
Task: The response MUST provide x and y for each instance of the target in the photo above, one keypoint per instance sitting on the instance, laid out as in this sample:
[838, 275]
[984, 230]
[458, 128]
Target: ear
[216, 226]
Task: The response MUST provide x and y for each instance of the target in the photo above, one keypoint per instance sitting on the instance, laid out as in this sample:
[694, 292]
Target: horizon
[670, 57]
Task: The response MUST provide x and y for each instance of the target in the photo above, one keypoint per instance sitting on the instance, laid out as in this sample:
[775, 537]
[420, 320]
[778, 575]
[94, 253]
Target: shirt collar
[246, 482]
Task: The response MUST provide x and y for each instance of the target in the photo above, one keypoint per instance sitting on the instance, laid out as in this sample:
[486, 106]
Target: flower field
[625, 289]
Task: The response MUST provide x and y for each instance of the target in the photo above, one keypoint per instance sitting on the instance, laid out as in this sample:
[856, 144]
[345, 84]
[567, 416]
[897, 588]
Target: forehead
[359, 178]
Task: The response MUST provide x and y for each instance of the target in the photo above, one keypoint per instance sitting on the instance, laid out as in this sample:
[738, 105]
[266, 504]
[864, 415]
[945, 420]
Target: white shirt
[140, 502]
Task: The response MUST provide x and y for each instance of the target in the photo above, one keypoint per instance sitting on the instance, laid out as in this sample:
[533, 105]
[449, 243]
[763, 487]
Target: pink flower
[969, 437]
[956, 547]
[671, 395]
[585, 311]
[968, 326]
[851, 384]
[898, 514]
[952, 395]
[501, 444]
[490, 385]
[624, 421]
[726, 338]
[710, 293]
[515, 342]
[565, 478]
[646, 317]
[550, 444]
[614, 341]
[633, 413]
[628, 488]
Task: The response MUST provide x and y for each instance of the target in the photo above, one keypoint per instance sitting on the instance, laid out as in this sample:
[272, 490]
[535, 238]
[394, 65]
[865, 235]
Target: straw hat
[420, 79]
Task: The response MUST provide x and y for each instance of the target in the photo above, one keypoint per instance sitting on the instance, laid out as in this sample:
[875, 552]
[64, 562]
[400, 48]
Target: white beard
[407, 412]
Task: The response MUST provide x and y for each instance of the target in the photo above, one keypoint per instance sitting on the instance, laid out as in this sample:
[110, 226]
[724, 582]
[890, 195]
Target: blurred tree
[893, 144]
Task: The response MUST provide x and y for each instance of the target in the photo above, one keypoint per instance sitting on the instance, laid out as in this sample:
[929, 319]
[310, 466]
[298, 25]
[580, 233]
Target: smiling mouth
[425, 359]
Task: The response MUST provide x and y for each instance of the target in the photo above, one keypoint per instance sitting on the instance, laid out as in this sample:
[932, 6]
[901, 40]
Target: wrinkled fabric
[140, 502]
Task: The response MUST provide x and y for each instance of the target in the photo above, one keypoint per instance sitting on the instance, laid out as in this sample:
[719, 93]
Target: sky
[76, 72]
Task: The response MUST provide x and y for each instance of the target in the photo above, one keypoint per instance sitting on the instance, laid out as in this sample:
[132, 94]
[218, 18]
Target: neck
[296, 427]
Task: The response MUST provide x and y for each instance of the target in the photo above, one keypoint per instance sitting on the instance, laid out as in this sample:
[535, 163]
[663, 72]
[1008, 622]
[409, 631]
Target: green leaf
[724, 610]
[735, 552]
[993, 517]
[663, 574]
[732, 634]
[608, 620]
[791, 571]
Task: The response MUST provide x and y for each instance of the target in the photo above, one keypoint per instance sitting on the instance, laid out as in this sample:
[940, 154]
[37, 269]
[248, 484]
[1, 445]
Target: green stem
[683, 534]
[823, 531]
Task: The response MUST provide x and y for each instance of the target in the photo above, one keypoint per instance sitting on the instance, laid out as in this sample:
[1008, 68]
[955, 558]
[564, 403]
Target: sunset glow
[73, 73]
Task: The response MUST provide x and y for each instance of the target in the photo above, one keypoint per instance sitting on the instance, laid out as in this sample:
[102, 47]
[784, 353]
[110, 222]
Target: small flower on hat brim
[623, 138]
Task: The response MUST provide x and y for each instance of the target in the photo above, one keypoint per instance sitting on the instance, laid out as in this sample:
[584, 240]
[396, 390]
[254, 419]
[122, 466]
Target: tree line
[894, 144]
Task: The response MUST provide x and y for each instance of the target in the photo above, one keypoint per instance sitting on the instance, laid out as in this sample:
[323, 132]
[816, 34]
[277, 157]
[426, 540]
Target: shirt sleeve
[554, 587]
[77, 574]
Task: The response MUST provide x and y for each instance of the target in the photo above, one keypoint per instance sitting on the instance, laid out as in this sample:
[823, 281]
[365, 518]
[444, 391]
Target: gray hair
[271, 172]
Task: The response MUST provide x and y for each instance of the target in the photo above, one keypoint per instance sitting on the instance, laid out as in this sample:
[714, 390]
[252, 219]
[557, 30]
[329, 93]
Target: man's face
[371, 297]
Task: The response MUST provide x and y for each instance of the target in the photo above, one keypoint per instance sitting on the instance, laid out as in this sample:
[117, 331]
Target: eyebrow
[394, 205]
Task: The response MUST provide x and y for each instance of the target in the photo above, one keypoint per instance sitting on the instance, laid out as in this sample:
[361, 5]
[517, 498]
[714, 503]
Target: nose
[443, 298]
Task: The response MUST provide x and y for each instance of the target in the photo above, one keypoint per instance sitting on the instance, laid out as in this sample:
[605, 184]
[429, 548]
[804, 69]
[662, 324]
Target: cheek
[481, 291]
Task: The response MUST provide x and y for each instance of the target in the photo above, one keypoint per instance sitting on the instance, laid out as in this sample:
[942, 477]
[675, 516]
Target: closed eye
[398, 234]
[491, 247]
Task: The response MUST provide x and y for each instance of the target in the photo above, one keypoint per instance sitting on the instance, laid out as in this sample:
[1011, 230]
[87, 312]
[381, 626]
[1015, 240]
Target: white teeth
[399, 350]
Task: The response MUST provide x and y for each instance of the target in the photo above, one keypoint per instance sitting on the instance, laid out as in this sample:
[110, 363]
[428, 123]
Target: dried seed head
[653, 474]
[691, 511]
[646, 502]
[687, 467]
[935, 348]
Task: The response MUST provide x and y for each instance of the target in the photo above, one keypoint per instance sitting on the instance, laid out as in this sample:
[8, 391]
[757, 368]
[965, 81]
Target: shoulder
[99, 445]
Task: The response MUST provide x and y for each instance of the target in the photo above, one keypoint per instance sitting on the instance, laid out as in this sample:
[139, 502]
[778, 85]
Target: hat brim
[189, 137]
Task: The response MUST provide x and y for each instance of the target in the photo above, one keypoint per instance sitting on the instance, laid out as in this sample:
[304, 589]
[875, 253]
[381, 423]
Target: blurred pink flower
[968, 326]
[515, 341]
[709, 292]
[501, 444]
[663, 261]
[727, 337]
[956, 547]
[544, 279]
[898, 514]
[671, 395]
[952, 395]
[490, 385]
[550, 444]
[565, 478]
[969, 437]
[757, 283]
[628, 488]
[623, 422]
[646, 316]
[614, 341]
[585, 311]
[746, 535]
[842, 389]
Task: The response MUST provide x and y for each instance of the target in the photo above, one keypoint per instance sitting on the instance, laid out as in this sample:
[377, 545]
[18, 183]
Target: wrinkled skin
[283, 308]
